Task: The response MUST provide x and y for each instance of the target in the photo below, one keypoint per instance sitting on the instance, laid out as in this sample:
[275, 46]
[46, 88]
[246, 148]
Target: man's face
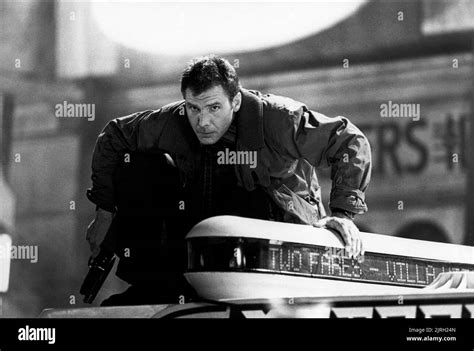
[210, 113]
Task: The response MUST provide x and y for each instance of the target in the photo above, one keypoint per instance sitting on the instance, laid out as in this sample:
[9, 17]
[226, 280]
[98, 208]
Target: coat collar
[250, 121]
[177, 135]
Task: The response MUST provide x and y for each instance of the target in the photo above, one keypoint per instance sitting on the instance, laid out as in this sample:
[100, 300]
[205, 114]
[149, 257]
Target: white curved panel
[5, 250]
[231, 226]
[226, 286]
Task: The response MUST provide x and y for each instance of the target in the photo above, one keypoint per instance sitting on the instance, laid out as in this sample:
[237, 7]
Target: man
[239, 152]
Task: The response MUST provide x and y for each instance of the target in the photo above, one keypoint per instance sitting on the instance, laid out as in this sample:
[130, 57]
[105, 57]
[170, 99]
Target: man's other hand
[97, 230]
[349, 232]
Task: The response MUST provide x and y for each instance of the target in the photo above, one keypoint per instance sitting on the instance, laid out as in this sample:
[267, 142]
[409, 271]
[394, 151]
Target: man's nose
[204, 120]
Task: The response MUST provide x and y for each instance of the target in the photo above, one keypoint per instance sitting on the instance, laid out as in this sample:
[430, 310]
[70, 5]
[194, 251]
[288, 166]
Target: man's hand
[349, 232]
[97, 230]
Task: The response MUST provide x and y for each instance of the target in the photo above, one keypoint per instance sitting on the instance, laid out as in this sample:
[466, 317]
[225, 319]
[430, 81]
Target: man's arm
[139, 131]
[339, 144]
[336, 143]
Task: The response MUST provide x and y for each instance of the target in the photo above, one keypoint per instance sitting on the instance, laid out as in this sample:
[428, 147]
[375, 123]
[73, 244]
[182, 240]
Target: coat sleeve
[337, 143]
[137, 132]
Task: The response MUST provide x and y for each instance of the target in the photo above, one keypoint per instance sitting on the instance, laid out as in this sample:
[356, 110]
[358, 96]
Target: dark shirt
[216, 190]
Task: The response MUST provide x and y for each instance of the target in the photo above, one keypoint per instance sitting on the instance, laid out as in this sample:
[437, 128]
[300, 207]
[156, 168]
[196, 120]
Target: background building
[55, 53]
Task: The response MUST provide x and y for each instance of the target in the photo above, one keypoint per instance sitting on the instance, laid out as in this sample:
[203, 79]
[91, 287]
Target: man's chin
[208, 140]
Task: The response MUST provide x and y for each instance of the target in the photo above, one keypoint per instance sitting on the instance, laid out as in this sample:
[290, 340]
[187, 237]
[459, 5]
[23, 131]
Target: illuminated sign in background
[189, 28]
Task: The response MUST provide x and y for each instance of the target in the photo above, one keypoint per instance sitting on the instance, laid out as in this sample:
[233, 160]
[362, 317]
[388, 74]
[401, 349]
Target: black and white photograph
[237, 160]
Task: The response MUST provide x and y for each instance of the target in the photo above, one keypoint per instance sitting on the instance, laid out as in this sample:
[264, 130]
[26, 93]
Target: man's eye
[194, 109]
[215, 108]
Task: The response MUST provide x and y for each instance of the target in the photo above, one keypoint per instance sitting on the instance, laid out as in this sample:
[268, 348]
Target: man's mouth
[205, 134]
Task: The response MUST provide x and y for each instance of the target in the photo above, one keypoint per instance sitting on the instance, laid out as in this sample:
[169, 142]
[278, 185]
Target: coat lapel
[250, 121]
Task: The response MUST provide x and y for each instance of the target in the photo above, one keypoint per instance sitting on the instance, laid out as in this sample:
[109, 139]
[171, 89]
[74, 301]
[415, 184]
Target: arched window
[363, 227]
[423, 229]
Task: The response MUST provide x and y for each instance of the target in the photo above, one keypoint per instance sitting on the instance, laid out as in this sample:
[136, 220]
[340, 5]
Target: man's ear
[237, 101]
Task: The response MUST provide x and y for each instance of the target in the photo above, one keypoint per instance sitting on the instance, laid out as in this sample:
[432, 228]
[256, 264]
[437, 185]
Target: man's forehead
[214, 93]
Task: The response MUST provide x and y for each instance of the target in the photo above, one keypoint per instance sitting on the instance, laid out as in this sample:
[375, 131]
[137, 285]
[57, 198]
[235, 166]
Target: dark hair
[205, 72]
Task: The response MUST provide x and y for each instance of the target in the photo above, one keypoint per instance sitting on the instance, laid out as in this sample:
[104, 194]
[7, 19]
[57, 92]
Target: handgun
[100, 266]
[99, 269]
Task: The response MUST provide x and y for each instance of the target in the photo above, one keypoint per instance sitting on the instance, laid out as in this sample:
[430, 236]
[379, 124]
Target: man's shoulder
[273, 103]
[172, 109]
[175, 108]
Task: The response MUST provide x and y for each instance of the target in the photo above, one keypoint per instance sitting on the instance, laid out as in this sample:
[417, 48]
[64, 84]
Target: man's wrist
[337, 212]
[100, 212]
